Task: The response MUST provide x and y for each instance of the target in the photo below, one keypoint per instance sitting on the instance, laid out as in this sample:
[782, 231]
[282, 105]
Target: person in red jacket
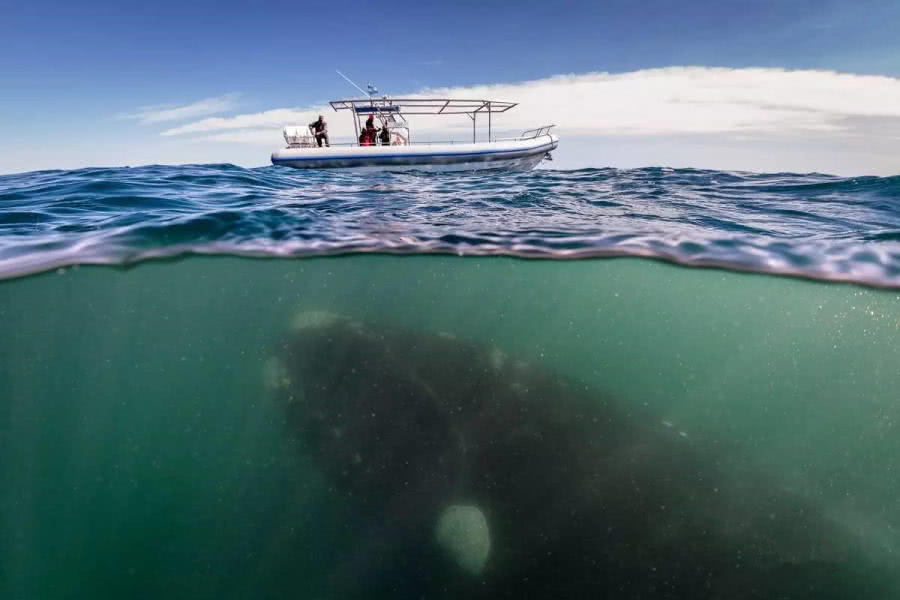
[370, 130]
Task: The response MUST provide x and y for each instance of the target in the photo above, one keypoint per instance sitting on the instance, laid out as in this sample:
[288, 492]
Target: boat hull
[516, 155]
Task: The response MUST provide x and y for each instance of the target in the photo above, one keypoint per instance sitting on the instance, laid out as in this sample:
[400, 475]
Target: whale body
[473, 474]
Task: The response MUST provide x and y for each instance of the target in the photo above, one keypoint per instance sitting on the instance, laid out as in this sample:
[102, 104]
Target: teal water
[143, 455]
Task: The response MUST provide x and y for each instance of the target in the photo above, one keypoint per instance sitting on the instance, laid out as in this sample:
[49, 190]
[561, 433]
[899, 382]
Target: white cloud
[653, 102]
[272, 118]
[169, 112]
[699, 100]
[265, 136]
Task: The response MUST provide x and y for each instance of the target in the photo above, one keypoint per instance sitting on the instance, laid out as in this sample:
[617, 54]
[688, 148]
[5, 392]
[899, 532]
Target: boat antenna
[353, 84]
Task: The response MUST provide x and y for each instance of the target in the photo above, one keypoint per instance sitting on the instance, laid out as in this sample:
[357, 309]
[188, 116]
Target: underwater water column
[141, 454]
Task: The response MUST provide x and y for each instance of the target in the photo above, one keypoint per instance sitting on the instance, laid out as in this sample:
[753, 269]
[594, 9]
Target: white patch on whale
[275, 375]
[462, 531]
[498, 359]
[313, 319]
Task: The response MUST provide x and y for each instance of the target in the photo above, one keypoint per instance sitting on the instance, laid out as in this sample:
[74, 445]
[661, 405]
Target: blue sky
[75, 71]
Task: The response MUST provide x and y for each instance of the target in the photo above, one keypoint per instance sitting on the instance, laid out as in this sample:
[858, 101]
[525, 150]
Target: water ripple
[813, 225]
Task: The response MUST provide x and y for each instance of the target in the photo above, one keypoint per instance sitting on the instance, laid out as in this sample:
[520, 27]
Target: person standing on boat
[370, 130]
[319, 129]
[385, 136]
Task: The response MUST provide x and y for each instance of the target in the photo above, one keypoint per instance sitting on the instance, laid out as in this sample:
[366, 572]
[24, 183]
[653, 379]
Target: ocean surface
[221, 382]
[807, 225]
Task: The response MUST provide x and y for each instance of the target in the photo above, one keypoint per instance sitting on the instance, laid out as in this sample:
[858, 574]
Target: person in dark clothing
[319, 129]
[385, 136]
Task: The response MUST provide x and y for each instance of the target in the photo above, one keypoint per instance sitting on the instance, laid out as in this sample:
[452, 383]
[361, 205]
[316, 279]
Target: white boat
[403, 154]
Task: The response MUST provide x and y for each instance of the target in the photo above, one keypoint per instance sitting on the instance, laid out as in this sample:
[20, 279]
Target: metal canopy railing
[423, 106]
[385, 107]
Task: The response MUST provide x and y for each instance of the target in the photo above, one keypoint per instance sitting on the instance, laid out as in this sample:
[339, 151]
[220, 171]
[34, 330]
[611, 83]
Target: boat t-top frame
[391, 111]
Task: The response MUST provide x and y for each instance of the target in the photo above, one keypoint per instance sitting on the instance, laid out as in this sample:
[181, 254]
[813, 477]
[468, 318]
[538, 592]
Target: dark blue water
[809, 225]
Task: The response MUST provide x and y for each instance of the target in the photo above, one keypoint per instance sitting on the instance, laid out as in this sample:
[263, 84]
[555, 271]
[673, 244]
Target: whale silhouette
[474, 475]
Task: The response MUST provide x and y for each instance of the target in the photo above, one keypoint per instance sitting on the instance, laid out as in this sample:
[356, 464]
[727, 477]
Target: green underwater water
[141, 455]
